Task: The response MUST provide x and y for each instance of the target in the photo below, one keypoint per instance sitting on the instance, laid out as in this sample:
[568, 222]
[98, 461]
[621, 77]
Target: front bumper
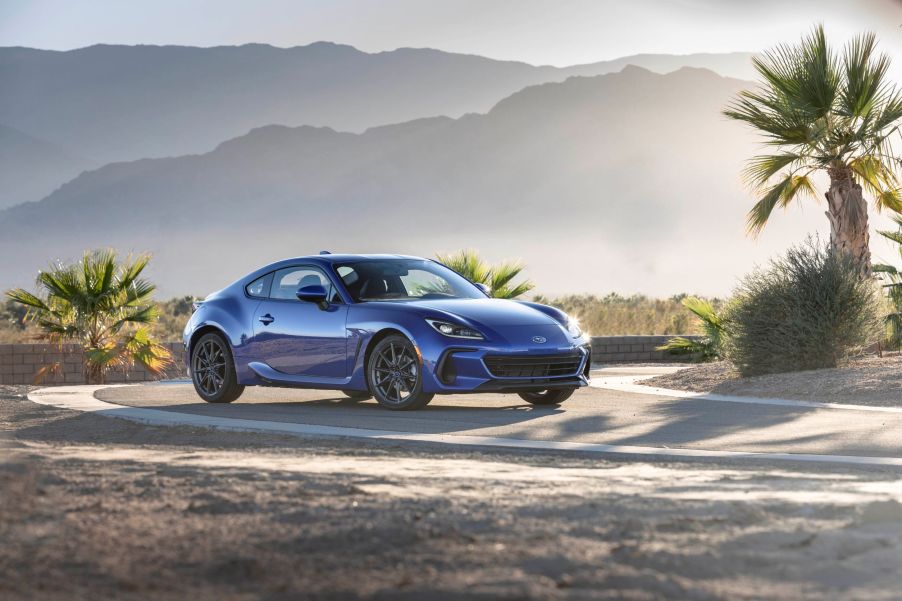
[465, 369]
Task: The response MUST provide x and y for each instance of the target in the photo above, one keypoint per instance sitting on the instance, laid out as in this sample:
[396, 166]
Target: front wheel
[394, 375]
[548, 397]
[213, 370]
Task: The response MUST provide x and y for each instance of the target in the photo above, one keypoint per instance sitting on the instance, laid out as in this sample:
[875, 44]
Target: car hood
[491, 312]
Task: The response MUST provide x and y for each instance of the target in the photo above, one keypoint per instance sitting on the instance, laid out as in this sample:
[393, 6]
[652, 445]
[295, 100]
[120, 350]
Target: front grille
[533, 366]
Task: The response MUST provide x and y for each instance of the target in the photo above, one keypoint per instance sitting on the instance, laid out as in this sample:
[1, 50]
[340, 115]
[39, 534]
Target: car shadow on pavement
[704, 424]
[368, 415]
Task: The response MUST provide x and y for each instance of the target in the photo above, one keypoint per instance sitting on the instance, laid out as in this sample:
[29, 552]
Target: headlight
[573, 327]
[454, 330]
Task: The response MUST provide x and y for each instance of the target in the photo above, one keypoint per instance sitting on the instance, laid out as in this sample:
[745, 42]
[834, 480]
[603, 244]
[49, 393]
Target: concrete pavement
[592, 415]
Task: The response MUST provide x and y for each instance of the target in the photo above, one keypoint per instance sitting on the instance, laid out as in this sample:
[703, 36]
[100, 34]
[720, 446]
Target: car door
[297, 337]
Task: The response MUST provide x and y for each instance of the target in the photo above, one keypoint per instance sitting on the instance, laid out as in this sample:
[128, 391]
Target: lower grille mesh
[534, 366]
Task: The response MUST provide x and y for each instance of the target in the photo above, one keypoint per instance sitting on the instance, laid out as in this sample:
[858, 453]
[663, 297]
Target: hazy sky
[555, 32]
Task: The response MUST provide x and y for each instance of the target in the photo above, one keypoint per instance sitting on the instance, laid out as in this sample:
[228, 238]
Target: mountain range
[31, 168]
[127, 102]
[620, 181]
[109, 103]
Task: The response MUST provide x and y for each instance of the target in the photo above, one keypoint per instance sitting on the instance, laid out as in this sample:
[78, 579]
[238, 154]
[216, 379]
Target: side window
[259, 288]
[286, 282]
[351, 279]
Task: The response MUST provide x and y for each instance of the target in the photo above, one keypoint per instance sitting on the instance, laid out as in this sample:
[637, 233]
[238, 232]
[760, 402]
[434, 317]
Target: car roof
[348, 258]
[322, 260]
[342, 258]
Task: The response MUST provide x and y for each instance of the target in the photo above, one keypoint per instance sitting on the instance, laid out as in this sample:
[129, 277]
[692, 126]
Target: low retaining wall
[20, 363]
[633, 349]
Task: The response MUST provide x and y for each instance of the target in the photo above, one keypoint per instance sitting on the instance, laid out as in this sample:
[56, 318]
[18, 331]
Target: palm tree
[498, 278]
[707, 348]
[893, 277]
[103, 305]
[824, 112]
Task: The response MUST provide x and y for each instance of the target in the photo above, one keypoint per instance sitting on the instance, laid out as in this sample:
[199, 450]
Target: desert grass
[618, 315]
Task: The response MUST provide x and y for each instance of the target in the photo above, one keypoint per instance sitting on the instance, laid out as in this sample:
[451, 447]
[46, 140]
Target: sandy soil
[864, 381]
[94, 507]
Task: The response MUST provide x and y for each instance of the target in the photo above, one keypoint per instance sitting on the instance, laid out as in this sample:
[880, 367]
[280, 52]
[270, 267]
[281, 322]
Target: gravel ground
[96, 508]
[864, 381]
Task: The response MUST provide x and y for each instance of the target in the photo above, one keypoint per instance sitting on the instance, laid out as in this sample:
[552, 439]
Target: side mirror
[485, 289]
[313, 294]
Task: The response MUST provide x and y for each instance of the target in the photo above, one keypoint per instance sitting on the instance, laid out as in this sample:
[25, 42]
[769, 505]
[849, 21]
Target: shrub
[808, 310]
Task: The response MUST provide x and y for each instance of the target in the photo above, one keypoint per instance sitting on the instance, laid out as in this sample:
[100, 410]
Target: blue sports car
[400, 329]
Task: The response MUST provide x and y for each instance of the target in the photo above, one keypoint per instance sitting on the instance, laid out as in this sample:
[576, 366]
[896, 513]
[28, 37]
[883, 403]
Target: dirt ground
[97, 508]
[863, 381]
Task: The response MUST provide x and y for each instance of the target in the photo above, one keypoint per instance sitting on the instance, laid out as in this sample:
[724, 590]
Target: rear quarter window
[259, 288]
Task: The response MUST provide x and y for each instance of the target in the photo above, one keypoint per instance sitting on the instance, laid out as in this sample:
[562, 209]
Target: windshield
[403, 279]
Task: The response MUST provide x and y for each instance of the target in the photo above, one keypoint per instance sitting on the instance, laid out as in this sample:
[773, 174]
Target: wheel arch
[204, 330]
[375, 339]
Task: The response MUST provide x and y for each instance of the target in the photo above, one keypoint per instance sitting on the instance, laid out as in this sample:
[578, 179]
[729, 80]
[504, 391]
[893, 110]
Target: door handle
[267, 319]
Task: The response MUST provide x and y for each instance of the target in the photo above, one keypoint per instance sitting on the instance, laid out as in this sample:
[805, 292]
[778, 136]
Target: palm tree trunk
[848, 215]
[93, 374]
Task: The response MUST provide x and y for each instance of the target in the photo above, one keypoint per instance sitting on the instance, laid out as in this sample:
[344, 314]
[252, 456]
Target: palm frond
[681, 346]
[468, 264]
[800, 186]
[106, 264]
[131, 270]
[889, 199]
[889, 111]
[501, 277]
[864, 76]
[710, 346]
[760, 213]
[144, 315]
[23, 297]
[873, 173]
[143, 349]
[761, 168]
[498, 278]
[893, 236]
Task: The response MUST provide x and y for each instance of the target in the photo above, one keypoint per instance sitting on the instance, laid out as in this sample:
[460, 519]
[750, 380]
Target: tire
[394, 375]
[213, 370]
[357, 395]
[547, 397]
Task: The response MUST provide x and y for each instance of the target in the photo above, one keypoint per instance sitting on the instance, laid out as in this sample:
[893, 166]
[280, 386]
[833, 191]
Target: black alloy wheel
[213, 370]
[394, 375]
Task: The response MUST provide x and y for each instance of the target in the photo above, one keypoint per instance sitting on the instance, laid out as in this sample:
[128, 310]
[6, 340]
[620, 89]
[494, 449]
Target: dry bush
[808, 310]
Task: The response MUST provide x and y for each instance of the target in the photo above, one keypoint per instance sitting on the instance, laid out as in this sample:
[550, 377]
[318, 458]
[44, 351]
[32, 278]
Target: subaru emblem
[538, 339]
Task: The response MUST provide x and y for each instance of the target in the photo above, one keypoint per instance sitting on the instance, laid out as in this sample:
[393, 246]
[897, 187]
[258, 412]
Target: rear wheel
[548, 397]
[394, 375]
[213, 370]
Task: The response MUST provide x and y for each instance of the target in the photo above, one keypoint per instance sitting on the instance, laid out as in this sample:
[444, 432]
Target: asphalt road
[591, 415]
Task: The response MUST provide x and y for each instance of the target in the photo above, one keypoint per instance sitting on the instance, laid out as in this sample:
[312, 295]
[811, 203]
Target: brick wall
[632, 349]
[19, 363]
